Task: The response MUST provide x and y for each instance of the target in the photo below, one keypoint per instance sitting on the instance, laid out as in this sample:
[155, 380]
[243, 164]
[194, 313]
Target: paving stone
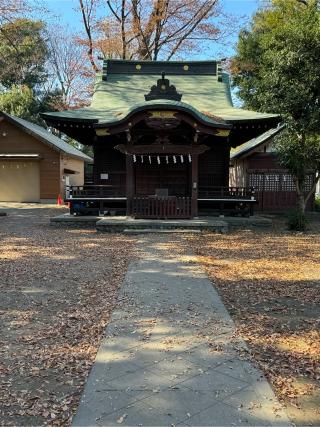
[239, 369]
[170, 354]
[220, 415]
[178, 367]
[138, 414]
[207, 357]
[102, 403]
[140, 380]
[260, 403]
[213, 381]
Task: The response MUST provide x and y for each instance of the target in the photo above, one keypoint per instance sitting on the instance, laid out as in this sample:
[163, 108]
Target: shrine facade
[161, 133]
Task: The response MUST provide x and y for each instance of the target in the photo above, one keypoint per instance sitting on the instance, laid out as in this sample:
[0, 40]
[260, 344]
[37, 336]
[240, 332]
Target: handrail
[107, 190]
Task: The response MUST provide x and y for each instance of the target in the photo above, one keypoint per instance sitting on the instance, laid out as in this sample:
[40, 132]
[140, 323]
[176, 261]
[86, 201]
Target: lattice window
[271, 181]
[256, 180]
[276, 181]
[287, 182]
[308, 182]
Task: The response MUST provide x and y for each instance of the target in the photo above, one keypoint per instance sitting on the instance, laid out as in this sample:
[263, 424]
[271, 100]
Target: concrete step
[118, 225]
[159, 230]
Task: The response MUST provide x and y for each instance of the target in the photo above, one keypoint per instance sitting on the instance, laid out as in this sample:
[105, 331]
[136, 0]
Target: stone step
[118, 225]
[159, 230]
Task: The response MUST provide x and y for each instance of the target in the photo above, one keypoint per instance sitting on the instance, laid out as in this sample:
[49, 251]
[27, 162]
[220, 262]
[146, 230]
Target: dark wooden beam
[194, 185]
[161, 149]
[129, 182]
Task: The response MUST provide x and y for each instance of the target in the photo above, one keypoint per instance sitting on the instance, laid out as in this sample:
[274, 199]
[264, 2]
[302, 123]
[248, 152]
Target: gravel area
[270, 282]
[58, 288]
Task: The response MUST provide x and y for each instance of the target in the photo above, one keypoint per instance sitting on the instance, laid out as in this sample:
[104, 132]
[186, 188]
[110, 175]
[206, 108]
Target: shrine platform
[121, 224]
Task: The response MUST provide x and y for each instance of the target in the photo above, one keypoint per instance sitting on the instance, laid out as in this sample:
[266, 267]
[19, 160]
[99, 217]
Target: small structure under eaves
[35, 165]
[161, 134]
[255, 164]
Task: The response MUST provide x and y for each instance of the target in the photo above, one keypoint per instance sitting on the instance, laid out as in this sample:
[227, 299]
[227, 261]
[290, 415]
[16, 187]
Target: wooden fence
[160, 207]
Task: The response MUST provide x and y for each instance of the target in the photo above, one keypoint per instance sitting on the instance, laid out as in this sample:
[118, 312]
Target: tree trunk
[301, 203]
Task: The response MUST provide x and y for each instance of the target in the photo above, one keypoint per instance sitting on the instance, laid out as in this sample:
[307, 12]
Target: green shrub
[317, 203]
[297, 221]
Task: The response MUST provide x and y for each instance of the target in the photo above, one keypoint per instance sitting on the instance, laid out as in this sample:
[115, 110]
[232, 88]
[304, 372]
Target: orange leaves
[58, 289]
[270, 282]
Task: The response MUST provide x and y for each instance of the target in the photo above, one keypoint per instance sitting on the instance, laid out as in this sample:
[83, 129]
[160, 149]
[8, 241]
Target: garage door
[19, 181]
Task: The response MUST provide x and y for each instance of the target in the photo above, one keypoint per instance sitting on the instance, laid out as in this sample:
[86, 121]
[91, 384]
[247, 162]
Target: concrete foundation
[120, 224]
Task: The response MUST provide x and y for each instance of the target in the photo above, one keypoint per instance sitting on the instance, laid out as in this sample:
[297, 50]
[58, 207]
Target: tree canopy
[152, 29]
[23, 53]
[277, 64]
[276, 69]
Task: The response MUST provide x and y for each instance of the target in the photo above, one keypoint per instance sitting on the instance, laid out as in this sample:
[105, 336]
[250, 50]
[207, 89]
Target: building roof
[121, 86]
[248, 146]
[45, 136]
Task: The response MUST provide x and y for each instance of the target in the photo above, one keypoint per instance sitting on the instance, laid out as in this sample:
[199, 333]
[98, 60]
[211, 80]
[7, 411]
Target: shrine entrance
[172, 178]
[162, 180]
[162, 187]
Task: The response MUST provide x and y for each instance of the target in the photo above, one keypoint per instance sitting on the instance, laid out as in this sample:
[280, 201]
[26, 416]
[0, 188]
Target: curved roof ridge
[167, 104]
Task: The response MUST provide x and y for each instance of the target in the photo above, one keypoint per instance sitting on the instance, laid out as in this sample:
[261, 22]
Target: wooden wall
[17, 141]
[213, 170]
[174, 177]
[274, 187]
[109, 161]
[214, 167]
[74, 164]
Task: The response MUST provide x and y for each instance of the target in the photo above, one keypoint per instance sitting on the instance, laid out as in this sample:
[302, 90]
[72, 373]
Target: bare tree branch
[86, 17]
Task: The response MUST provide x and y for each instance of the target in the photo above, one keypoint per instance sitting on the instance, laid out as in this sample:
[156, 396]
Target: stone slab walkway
[170, 356]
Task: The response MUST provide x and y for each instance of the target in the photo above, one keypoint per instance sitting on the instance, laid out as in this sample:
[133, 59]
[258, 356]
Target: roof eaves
[252, 144]
[174, 105]
[31, 132]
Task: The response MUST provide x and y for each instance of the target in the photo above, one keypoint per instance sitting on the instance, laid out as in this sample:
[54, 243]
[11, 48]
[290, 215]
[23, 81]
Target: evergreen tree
[276, 69]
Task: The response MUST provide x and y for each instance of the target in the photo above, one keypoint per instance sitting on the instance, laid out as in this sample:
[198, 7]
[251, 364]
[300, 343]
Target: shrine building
[161, 134]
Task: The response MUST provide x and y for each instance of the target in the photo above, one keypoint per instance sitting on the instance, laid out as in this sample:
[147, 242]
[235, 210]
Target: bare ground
[270, 283]
[58, 288]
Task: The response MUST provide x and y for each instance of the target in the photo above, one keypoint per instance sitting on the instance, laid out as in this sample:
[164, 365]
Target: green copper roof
[117, 94]
[245, 148]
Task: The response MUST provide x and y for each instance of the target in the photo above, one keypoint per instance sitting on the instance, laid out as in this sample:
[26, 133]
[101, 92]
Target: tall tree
[20, 101]
[152, 29]
[88, 9]
[23, 53]
[276, 69]
[11, 9]
[67, 68]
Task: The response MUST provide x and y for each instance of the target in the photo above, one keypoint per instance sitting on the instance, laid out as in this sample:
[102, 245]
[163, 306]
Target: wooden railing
[223, 199]
[160, 207]
[93, 191]
[106, 191]
[227, 193]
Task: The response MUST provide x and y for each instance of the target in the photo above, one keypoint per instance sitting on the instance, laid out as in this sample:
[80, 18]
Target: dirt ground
[270, 282]
[58, 289]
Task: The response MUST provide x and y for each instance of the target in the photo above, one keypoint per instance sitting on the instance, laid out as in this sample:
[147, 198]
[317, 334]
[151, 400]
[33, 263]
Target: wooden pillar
[129, 182]
[194, 185]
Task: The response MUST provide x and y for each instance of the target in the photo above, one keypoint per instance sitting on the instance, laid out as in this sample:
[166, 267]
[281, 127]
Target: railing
[160, 207]
[227, 193]
[109, 191]
[93, 191]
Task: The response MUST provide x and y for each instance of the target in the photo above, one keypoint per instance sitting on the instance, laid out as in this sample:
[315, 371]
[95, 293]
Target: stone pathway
[170, 356]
